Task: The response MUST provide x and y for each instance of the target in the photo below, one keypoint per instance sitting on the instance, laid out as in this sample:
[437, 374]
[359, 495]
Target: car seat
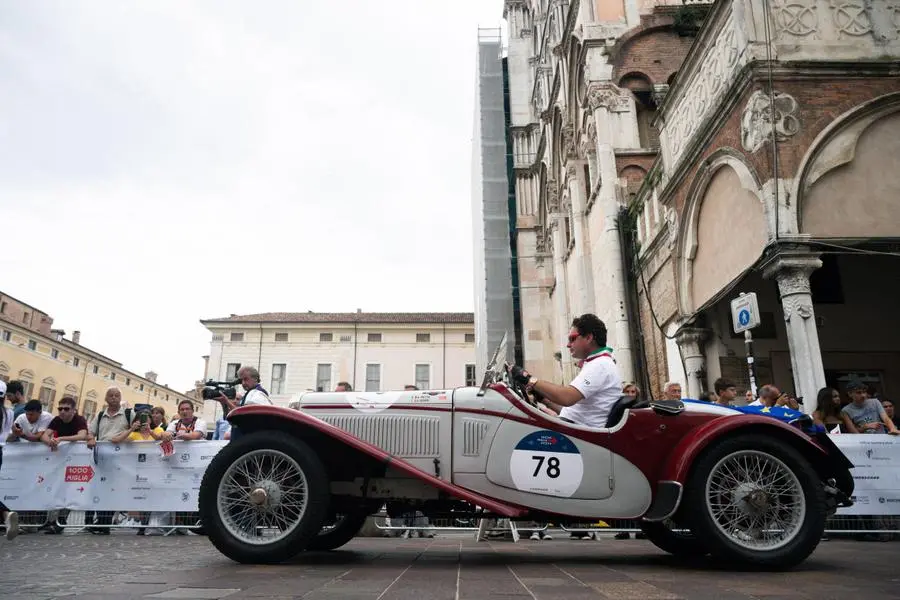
[618, 409]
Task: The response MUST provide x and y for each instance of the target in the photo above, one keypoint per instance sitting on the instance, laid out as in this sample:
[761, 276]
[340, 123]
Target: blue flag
[781, 413]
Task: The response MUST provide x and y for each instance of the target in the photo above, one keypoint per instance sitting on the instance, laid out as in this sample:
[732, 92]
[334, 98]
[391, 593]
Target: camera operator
[254, 394]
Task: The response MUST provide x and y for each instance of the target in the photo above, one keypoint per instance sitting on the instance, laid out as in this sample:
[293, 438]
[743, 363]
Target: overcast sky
[167, 161]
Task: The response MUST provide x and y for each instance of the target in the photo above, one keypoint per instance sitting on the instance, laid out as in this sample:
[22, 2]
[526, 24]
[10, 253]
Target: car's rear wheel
[673, 538]
[756, 501]
[264, 497]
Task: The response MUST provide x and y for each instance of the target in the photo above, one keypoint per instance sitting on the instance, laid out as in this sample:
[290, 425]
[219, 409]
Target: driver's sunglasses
[63, 408]
[572, 338]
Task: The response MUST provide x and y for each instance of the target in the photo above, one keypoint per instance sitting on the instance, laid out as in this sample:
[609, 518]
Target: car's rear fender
[683, 456]
[332, 445]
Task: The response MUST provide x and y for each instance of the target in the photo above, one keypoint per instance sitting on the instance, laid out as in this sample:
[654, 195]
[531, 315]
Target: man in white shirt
[30, 425]
[591, 395]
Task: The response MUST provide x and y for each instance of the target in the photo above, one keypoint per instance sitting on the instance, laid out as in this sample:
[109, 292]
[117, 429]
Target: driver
[591, 395]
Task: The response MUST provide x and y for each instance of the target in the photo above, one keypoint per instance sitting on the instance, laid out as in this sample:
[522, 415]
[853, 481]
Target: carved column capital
[791, 271]
[608, 95]
[691, 339]
[571, 171]
[660, 91]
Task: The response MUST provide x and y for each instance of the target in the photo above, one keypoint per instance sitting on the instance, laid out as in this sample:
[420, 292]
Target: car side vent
[474, 431]
[403, 436]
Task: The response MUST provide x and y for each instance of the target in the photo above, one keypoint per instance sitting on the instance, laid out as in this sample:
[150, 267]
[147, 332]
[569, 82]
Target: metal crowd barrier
[165, 522]
[74, 521]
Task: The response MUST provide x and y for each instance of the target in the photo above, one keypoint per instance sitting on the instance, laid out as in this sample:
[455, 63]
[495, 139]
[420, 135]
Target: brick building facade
[799, 208]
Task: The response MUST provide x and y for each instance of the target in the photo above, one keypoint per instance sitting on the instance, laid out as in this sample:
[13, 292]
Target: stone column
[560, 294]
[690, 343]
[791, 271]
[605, 101]
[585, 288]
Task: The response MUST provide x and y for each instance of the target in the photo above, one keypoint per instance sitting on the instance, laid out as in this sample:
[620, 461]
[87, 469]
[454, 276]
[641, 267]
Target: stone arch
[71, 390]
[4, 368]
[641, 87]
[855, 153]
[91, 395]
[724, 191]
[654, 48]
[49, 382]
[631, 177]
[26, 374]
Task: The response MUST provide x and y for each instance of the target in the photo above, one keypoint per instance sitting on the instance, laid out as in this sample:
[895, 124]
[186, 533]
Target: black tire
[727, 547]
[310, 521]
[677, 543]
[346, 528]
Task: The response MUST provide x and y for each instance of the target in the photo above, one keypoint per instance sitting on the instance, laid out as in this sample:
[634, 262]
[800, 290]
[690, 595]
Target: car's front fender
[260, 417]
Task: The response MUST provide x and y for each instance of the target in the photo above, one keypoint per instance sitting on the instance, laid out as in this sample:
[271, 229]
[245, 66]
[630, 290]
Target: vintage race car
[702, 479]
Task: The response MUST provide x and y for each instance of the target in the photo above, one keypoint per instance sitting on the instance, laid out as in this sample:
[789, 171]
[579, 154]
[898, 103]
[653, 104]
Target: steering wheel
[520, 390]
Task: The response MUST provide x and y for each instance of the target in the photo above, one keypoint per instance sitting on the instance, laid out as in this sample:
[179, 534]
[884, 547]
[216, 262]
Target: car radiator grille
[413, 437]
[474, 431]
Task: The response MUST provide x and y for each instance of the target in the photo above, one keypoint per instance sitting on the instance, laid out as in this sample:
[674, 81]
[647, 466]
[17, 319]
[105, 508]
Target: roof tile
[356, 317]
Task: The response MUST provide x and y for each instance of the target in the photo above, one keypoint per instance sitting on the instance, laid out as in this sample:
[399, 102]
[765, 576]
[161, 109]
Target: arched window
[642, 89]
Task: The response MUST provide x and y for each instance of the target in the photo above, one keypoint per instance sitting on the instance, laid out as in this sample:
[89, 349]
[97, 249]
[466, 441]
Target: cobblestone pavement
[125, 566]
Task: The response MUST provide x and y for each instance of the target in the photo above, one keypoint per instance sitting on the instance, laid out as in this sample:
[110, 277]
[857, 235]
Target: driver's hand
[519, 375]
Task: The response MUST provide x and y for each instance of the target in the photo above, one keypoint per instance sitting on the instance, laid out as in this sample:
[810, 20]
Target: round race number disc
[548, 463]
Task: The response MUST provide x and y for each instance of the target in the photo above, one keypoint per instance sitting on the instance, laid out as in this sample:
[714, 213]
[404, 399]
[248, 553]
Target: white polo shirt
[601, 385]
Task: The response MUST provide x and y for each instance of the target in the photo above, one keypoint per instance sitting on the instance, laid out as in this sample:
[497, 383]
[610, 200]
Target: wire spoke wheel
[262, 496]
[755, 500]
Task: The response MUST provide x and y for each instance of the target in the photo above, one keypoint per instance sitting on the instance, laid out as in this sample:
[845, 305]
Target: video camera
[214, 389]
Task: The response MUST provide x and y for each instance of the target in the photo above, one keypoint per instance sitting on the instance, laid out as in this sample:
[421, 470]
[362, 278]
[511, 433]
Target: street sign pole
[748, 342]
[745, 316]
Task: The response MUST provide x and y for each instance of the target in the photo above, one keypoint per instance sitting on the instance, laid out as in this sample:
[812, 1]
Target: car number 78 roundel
[546, 462]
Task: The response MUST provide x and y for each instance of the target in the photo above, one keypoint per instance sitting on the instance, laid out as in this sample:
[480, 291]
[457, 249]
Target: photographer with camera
[254, 393]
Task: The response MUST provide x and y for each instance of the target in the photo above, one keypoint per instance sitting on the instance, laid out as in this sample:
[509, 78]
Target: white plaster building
[298, 352]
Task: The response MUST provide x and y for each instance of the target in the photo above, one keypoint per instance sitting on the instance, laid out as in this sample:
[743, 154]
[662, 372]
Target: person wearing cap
[10, 517]
[31, 424]
[864, 414]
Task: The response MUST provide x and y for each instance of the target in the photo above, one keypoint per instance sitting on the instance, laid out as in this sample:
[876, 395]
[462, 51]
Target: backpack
[103, 412]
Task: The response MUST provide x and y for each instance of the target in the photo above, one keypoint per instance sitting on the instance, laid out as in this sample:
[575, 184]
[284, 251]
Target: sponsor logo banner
[876, 473]
[136, 476]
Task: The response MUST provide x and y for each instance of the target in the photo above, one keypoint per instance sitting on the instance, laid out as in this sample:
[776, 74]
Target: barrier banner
[130, 476]
[876, 472]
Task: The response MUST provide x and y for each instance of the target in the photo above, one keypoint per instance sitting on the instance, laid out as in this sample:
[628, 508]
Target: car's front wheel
[674, 539]
[756, 501]
[264, 497]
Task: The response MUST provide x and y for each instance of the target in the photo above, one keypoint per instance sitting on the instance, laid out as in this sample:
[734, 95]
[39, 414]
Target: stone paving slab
[126, 567]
